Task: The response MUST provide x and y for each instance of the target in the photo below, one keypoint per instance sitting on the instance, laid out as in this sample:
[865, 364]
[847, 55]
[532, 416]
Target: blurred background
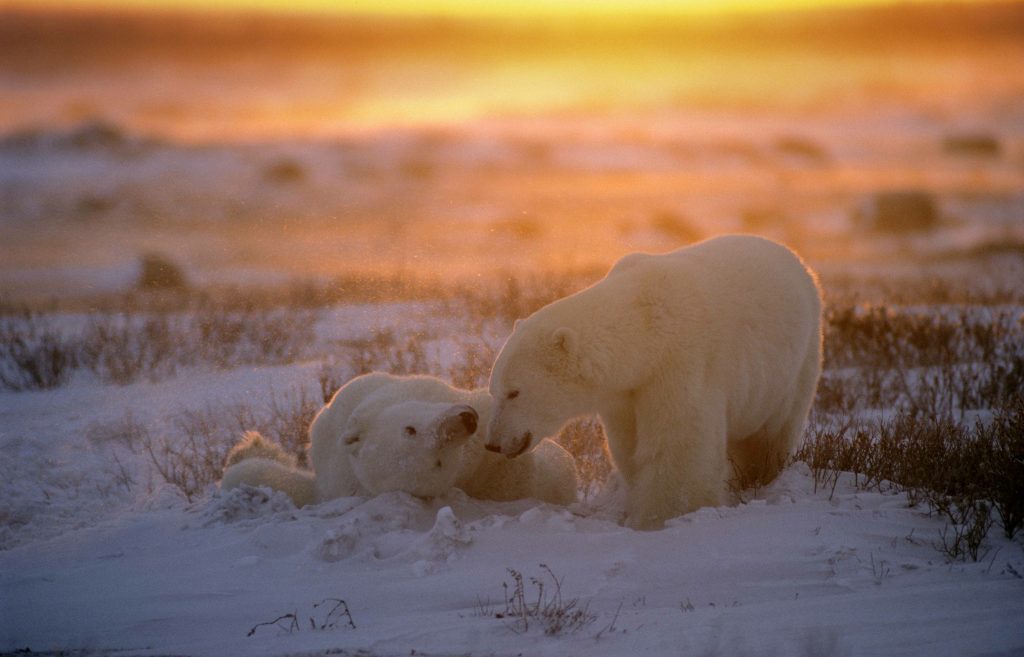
[339, 146]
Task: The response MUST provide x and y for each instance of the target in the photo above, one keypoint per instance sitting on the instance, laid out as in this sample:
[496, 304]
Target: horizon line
[468, 10]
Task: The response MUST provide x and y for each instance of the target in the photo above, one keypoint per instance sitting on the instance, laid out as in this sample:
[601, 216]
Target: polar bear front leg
[620, 429]
[679, 462]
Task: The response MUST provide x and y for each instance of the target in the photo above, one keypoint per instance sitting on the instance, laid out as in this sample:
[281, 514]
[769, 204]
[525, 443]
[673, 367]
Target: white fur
[692, 359]
[384, 433]
[255, 461]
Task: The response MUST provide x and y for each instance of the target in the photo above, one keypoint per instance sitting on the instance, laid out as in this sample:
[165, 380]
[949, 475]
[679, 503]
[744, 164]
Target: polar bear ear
[566, 340]
[350, 436]
[349, 439]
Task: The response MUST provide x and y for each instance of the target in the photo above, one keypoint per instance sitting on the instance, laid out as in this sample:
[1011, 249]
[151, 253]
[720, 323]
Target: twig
[292, 627]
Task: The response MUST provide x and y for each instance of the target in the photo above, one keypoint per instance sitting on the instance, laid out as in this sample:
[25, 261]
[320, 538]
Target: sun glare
[471, 8]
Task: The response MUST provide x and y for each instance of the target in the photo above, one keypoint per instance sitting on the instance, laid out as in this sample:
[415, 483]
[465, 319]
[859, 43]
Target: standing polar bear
[693, 359]
[416, 434]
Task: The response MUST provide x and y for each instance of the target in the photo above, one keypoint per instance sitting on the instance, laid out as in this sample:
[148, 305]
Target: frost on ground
[788, 572]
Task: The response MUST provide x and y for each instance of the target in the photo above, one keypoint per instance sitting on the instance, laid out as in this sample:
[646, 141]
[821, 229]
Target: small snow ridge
[448, 531]
[793, 483]
[552, 517]
[441, 543]
[337, 544]
[244, 503]
[376, 527]
[394, 526]
[165, 496]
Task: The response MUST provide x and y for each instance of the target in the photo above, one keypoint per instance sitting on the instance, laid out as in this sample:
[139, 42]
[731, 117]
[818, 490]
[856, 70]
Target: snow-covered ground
[788, 572]
[105, 557]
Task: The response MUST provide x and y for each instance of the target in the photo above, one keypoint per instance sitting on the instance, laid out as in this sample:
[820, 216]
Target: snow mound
[245, 503]
[441, 544]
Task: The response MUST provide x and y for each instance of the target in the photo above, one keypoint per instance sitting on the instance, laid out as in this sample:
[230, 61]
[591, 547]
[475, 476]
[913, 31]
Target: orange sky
[471, 8]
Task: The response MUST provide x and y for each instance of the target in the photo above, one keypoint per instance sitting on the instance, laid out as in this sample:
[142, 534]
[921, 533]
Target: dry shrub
[34, 355]
[191, 456]
[932, 367]
[978, 145]
[510, 297]
[385, 351]
[803, 148]
[331, 376]
[962, 472]
[937, 363]
[542, 606]
[158, 272]
[128, 431]
[190, 463]
[285, 171]
[287, 420]
[474, 369]
[126, 347]
[525, 227]
[899, 212]
[251, 335]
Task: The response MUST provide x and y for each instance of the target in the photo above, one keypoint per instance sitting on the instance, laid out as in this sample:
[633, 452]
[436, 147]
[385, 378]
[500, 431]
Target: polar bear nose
[468, 420]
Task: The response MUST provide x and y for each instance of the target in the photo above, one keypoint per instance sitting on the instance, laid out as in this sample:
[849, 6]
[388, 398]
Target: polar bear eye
[512, 394]
[410, 431]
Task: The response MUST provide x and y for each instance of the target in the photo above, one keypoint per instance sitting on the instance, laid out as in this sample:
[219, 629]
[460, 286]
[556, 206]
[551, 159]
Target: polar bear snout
[518, 447]
[458, 423]
[469, 419]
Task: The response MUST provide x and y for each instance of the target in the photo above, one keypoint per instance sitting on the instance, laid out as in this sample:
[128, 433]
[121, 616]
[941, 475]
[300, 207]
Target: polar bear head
[413, 446]
[543, 377]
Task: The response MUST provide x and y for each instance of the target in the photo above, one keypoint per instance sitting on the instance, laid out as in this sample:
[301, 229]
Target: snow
[98, 553]
[788, 571]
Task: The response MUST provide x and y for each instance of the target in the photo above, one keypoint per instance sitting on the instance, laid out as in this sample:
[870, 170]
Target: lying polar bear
[416, 434]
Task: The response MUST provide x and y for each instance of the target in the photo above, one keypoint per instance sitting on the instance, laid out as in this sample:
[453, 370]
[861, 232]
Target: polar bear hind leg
[759, 458]
[258, 472]
[254, 446]
[256, 461]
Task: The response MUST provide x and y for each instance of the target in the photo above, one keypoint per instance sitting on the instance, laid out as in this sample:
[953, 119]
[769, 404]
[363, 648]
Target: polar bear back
[755, 294]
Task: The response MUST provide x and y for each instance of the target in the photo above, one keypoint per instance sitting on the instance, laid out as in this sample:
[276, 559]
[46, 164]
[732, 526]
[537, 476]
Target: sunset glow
[365, 136]
[474, 9]
[216, 215]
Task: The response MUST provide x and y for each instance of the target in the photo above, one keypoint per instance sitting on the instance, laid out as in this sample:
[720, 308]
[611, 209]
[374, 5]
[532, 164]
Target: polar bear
[416, 434]
[692, 359]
